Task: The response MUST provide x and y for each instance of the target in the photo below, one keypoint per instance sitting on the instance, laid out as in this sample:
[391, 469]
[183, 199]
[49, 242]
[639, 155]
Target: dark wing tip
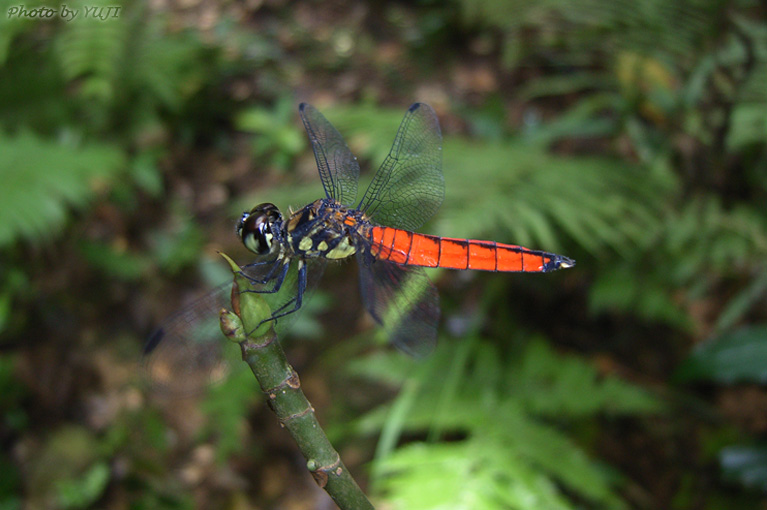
[303, 106]
[153, 341]
[414, 107]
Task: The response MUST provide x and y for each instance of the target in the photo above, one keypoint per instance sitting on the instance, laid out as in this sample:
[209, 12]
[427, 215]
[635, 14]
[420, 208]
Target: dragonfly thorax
[257, 229]
[324, 228]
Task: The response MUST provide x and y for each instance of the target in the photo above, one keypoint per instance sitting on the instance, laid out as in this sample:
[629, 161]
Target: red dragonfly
[406, 191]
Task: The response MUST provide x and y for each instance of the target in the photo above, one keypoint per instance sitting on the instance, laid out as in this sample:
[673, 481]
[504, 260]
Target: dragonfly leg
[262, 262]
[268, 277]
[296, 301]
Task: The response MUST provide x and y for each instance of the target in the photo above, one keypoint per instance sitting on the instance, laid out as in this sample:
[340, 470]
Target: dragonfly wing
[339, 169]
[404, 301]
[409, 186]
[188, 352]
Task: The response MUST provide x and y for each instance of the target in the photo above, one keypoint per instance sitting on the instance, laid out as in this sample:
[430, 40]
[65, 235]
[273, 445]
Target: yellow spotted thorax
[323, 229]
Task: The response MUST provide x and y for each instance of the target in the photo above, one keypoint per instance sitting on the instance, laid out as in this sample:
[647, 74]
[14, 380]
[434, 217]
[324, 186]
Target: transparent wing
[339, 169]
[409, 186]
[188, 352]
[404, 301]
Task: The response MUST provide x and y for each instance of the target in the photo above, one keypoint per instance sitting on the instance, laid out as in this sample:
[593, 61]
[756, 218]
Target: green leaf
[43, 179]
[81, 492]
[740, 355]
[278, 137]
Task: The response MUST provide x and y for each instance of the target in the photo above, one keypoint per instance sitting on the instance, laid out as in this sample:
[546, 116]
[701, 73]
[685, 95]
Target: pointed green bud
[250, 306]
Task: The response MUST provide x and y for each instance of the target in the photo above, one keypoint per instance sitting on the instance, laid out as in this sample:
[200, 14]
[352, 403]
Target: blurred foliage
[43, 179]
[746, 465]
[677, 29]
[88, 110]
[629, 135]
[228, 404]
[511, 451]
[740, 355]
[734, 357]
[698, 246]
[69, 471]
[277, 137]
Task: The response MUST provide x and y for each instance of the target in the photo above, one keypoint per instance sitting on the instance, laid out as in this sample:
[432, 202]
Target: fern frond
[704, 236]
[42, 180]
[598, 202]
[162, 69]
[130, 63]
[464, 475]
[90, 49]
[501, 406]
[560, 377]
[697, 245]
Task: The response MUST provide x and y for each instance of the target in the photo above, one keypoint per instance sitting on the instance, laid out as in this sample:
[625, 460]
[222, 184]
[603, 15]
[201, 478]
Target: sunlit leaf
[498, 407]
[86, 489]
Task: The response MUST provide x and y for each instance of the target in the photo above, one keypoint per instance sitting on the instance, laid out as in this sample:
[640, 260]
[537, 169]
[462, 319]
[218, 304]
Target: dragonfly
[379, 230]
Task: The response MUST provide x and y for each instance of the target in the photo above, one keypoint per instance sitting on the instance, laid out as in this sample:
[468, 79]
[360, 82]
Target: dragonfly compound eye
[257, 228]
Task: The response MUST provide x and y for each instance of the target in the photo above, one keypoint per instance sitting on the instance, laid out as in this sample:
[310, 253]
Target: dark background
[629, 135]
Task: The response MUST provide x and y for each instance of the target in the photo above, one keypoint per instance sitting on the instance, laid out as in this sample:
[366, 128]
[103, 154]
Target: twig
[282, 387]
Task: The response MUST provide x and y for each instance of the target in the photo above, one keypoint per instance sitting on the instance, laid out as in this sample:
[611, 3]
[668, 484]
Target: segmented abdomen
[409, 248]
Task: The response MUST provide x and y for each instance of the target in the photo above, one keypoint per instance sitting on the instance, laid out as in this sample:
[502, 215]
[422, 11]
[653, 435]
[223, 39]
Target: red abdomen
[409, 248]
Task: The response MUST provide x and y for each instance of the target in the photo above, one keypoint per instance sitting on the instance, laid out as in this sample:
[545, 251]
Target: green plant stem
[282, 387]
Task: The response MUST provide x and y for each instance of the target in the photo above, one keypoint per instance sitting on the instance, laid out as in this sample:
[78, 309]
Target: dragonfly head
[257, 229]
